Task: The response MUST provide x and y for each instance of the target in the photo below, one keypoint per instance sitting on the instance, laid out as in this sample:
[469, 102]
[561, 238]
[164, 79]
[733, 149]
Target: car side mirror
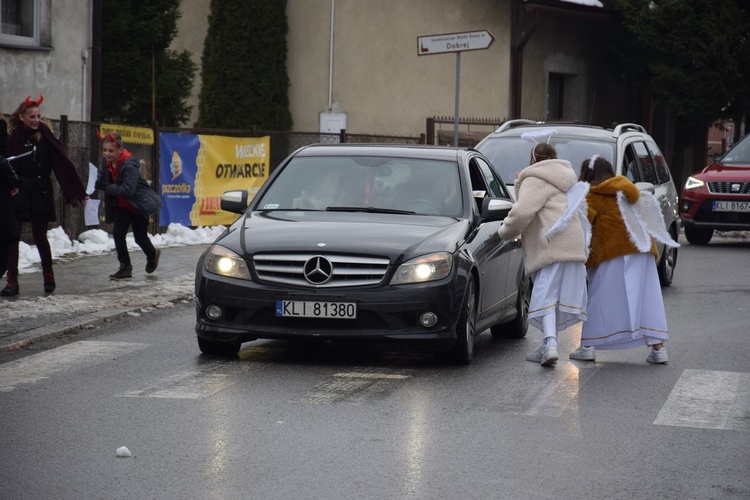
[495, 208]
[645, 186]
[234, 201]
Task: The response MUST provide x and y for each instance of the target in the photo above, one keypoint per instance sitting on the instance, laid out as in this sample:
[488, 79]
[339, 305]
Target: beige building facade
[45, 50]
[374, 73]
[354, 64]
[359, 59]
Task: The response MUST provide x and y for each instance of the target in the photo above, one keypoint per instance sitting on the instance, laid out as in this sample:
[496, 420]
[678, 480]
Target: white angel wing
[577, 208]
[644, 220]
[653, 220]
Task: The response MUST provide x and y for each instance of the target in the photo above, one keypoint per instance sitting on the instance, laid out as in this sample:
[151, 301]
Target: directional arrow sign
[454, 42]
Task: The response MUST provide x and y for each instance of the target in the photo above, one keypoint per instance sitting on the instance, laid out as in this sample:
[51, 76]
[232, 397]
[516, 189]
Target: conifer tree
[244, 76]
[136, 35]
[692, 57]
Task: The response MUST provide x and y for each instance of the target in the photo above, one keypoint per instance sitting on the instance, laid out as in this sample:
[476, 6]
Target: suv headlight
[224, 262]
[693, 183]
[426, 268]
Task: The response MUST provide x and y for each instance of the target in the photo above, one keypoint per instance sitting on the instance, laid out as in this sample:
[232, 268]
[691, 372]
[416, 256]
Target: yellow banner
[130, 135]
[224, 164]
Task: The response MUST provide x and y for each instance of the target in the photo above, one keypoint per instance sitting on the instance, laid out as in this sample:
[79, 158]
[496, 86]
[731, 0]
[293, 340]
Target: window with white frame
[21, 22]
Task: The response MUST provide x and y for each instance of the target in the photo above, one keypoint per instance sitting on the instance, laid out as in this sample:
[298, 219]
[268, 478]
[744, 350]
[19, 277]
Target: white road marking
[187, 385]
[709, 400]
[376, 376]
[40, 366]
[197, 384]
[352, 387]
[549, 392]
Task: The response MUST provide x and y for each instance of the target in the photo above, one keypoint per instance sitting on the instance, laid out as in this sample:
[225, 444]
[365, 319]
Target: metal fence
[83, 148]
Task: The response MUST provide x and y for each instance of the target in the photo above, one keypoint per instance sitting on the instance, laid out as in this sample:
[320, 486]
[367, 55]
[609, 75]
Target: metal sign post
[454, 42]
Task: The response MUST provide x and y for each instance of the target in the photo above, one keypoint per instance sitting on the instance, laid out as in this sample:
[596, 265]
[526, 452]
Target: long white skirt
[626, 308]
[560, 289]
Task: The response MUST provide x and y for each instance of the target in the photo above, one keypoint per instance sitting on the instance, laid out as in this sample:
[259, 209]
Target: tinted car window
[647, 165]
[662, 170]
[630, 165]
[495, 187]
[320, 183]
[740, 153]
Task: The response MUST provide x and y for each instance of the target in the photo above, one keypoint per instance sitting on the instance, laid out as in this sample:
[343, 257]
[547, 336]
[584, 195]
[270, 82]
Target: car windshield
[740, 153]
[510, 155]
[366, 183]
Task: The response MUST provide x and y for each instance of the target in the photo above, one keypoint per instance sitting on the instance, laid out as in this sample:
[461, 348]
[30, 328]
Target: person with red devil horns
[129, 202]
[35, 201]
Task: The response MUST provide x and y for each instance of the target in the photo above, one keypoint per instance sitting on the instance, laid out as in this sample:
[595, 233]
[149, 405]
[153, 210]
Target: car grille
[726, 187]
[320, 270]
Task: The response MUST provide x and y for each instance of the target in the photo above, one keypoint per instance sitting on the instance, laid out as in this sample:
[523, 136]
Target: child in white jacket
[554, 243]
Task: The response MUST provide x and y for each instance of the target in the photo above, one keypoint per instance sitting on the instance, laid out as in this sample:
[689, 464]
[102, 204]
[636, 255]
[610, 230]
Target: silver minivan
[632, 152]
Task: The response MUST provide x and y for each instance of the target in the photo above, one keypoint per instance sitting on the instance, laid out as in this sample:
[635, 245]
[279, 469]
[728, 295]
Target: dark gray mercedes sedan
[366, 242]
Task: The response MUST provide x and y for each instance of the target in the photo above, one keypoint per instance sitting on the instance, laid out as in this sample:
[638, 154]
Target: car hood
[345, 232]
[721, 172]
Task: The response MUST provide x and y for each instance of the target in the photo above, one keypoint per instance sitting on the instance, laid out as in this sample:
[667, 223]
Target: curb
[76, 323]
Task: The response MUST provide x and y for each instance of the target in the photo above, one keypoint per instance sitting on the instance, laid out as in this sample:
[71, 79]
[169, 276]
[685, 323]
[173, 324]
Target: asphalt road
[343, 421]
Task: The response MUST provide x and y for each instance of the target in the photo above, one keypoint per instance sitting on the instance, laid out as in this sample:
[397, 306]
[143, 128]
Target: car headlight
[224, 262]
[693, 183]
[426, 268]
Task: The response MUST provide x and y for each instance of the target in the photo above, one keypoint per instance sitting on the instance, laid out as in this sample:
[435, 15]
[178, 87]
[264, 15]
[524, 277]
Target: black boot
[49, 281]
[11, 288]
[124, 273]
[152, 264]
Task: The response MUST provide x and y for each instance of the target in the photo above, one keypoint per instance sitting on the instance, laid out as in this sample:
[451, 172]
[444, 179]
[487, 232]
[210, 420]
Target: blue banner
[178, 169]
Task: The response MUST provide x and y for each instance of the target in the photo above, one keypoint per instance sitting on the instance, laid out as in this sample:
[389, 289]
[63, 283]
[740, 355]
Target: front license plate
[731, 206]
[306, 309]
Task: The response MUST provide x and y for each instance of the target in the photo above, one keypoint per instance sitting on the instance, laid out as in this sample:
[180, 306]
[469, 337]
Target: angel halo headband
[532, 135]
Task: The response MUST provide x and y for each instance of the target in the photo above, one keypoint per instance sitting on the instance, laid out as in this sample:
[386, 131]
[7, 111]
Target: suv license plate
[731, 206]
[306, 309]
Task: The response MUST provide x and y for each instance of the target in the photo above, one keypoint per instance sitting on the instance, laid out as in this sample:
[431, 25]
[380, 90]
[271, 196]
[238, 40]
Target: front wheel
[227, 349]
[518, 326]
[698, 236]
[668, 262]
[462, 351]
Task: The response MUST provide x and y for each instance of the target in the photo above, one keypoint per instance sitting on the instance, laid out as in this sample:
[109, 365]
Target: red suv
[718, 197]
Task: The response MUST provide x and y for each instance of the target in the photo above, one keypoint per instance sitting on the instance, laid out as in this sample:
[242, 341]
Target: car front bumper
[248, 311]
[696, 211]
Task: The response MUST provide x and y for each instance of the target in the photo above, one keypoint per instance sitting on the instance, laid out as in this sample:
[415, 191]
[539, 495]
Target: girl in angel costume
[625, 307]
[548, 217]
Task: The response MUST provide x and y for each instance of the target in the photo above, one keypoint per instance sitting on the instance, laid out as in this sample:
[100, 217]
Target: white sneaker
[546, 355]
[659, 357]
[584, 353]
[535, 356]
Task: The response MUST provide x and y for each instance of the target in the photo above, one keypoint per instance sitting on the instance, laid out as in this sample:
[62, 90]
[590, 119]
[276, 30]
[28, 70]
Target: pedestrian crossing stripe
[40, 366]
[709, 400]
[187, 385]
[700, 398]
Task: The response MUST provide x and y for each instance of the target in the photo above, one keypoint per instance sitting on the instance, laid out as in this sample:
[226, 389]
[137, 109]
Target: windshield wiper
[374, 210]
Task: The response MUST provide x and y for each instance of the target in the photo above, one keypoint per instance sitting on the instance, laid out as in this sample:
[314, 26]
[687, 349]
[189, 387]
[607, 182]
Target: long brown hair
[595, 173]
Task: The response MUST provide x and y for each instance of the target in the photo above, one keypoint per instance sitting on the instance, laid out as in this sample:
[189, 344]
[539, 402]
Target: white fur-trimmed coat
[541, 191]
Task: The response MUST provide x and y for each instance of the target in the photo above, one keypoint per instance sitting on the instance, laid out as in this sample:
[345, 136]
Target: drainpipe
[330, 60]
[84, 61]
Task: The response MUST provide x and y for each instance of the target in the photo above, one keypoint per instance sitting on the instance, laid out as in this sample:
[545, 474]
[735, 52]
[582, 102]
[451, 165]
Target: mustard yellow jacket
[609, 234]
